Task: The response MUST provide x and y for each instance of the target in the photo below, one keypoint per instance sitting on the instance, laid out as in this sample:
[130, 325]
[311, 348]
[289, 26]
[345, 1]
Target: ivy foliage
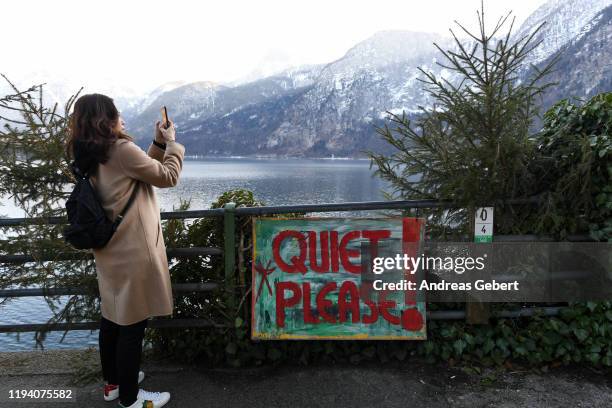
[574, 168]
[581, 334]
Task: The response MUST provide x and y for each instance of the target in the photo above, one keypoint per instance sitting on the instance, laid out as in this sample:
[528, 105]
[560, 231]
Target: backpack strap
[127, 206]
[78, 173]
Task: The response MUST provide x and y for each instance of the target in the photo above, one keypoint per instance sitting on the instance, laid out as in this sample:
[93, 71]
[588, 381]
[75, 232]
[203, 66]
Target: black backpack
[89, 226]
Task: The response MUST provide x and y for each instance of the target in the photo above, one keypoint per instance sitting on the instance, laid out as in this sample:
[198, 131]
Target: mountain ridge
[333, 108]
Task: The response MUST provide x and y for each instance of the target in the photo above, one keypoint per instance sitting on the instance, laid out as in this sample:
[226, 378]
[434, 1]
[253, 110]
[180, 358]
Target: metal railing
[229, 212]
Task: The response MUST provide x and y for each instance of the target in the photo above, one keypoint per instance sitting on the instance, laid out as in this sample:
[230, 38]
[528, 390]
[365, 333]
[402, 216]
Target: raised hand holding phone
[169, 134]
[165, 120]
[165, 128]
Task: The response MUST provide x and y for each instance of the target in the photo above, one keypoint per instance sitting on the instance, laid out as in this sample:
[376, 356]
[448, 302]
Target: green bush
[210, 343]
[574, 168]
[583, 333]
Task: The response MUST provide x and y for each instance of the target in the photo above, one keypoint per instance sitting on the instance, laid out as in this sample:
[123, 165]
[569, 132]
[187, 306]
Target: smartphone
[165, 121]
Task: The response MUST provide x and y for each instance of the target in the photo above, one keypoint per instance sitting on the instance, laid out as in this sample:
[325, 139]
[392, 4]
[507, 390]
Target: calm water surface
[274, 181]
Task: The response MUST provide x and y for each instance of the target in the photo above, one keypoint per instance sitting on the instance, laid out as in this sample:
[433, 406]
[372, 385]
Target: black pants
[120, 349]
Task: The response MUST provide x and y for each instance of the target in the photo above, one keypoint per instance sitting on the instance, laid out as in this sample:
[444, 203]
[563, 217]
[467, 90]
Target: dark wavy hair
[92, 131]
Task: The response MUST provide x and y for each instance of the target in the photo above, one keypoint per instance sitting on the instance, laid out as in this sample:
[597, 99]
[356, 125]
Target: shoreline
[348, 158]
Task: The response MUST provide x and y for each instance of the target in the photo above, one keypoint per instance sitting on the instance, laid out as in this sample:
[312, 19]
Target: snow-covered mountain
[336, 115]
[191, 104]
[314, 109]
[274, 62]
[333, 108]
[585, 65]
[136, 106]
[565, 20]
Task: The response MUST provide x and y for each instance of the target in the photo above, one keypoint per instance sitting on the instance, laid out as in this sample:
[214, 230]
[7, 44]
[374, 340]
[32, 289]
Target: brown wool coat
[132, 268]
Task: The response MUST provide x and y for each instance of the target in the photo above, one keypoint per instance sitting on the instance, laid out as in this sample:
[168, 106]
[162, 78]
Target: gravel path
[412, 384]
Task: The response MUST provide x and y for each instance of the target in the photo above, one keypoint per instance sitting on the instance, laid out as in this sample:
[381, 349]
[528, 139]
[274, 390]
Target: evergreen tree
[36, 176]
[473, 145]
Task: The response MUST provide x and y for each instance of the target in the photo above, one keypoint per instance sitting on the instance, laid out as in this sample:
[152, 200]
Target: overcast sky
[143, 44]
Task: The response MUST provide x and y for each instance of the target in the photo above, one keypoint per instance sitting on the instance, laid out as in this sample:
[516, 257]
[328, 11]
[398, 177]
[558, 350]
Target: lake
[274, 181]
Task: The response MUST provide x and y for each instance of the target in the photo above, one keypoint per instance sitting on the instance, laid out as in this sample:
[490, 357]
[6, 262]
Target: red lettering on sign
[384, 306]
[364, 292]
[312, 248]
[334, 251]
[374, 237]
[346, 254]
[349, 288]
[323, 304]
[297, 264]
[308, 317]
[349, 300]
[411, 234]
[282, 303]
[412, 320]
[373, 316]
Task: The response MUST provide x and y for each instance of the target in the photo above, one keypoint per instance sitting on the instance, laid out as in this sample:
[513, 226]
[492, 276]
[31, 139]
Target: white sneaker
[150, 399]
[140, 403]
[111, 391]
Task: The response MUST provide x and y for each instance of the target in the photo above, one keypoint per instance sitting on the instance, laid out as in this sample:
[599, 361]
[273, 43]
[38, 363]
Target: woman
[132, 268]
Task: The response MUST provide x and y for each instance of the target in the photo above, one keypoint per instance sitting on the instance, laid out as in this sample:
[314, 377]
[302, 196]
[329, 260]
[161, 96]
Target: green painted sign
[312, 278]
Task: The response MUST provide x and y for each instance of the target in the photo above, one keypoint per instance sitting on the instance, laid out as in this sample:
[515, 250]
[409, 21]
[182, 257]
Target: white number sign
[483, 224]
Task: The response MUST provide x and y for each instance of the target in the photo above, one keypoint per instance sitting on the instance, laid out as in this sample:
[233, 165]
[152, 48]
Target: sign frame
[259, 283]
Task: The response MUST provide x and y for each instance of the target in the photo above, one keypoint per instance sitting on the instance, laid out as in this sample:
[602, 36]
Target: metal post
[229, 250]
[476, 312]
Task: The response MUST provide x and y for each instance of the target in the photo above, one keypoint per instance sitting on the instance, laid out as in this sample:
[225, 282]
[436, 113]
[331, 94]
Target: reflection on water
[276, 182]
